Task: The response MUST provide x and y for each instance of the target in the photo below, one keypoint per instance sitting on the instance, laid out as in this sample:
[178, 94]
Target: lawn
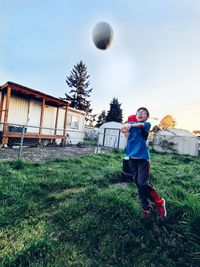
[79, 212]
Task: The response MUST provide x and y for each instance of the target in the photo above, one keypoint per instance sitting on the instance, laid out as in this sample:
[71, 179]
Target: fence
[91, 133]
[42, 143]
[38, 143]
[20, 136]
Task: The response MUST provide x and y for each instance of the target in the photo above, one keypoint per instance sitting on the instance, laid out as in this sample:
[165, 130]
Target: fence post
[104, 136]
[98, 139]
[118, 139]
[21, 142]
[97, 148]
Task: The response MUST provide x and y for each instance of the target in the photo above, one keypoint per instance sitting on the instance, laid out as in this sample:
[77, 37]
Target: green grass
[88, 142]
[77, 212]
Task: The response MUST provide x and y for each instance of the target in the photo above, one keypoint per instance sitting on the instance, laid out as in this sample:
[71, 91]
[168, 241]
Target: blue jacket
[136, 145]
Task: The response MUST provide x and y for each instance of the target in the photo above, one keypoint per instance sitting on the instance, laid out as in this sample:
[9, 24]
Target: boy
[138, 154]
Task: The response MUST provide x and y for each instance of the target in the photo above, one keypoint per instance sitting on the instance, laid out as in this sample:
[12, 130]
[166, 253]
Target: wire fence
[16, 138]
[43, 143]
[39, 143]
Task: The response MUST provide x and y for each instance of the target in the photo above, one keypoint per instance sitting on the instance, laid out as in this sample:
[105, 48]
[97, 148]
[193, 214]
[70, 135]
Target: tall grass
[78, 212]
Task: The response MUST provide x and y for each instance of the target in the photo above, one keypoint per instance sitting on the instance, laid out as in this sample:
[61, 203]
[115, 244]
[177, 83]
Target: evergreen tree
[115, 112]
[90, 119]
[101, 118]
[79, 94]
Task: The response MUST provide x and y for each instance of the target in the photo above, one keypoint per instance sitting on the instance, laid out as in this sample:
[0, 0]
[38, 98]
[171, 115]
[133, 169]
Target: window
[72, 122]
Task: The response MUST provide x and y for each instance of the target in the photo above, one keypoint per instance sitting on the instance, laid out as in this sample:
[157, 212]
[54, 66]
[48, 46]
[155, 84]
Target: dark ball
[102, 35]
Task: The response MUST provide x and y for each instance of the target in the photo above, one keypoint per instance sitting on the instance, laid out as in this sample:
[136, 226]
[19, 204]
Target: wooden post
[56, 123]
[21, 143]
[5, 138]
[41, 118]
[65, 125]
[1, 105]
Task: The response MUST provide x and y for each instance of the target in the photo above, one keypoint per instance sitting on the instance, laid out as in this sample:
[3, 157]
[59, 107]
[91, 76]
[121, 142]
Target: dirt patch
[39, 154]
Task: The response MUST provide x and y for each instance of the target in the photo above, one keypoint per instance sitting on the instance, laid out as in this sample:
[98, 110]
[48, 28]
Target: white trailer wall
[18, 110]
[49, 119]
[24, 111]
[75, 126]
[34, 116]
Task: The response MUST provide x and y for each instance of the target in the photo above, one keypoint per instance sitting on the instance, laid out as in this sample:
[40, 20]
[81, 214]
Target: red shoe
[160, 206]
[146, 212]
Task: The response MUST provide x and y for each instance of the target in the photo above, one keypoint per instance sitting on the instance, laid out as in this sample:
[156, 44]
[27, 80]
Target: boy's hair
[145, 110]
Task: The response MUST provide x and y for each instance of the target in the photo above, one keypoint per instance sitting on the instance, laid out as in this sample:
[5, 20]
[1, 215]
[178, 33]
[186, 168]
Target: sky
[154, 60]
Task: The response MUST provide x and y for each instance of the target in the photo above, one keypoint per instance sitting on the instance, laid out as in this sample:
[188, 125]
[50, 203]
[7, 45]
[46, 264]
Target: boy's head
[142, 114]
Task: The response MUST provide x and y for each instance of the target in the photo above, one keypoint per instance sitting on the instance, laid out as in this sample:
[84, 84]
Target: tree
[167, 122]
[101, 118]
[115, 112]
[79, 94]
[196, 132]
[90, 119]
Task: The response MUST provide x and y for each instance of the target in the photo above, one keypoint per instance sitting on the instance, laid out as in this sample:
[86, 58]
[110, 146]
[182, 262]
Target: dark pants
[140, 169]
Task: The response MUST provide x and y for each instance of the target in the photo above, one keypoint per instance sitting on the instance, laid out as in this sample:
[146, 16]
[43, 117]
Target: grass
[78, 212]
[88, 142]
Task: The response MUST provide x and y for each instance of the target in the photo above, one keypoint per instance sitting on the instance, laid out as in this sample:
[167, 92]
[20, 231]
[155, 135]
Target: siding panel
[49, 119]
[18, 110]
[34, 116]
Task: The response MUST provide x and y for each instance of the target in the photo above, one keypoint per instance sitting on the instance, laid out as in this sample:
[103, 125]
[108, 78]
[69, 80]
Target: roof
[20, 89]
[176, 132]
[112, 125]
[76, 110]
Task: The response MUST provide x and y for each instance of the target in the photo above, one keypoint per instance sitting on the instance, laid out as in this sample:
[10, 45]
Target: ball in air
[102, 35]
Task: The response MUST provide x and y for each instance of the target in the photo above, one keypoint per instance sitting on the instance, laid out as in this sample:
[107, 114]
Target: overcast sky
[154, 60]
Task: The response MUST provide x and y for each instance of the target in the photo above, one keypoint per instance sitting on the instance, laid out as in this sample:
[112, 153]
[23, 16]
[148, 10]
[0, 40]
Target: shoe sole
[164, 206]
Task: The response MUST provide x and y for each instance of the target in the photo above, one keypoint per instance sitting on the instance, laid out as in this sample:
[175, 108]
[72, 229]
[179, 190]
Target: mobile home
[42, 118]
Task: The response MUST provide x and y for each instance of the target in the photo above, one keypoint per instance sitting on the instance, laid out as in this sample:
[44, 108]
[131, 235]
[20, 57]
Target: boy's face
[141, 115]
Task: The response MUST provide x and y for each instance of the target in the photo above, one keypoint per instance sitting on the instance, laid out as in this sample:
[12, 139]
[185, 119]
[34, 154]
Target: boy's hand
[126, 127]
[123, 130]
